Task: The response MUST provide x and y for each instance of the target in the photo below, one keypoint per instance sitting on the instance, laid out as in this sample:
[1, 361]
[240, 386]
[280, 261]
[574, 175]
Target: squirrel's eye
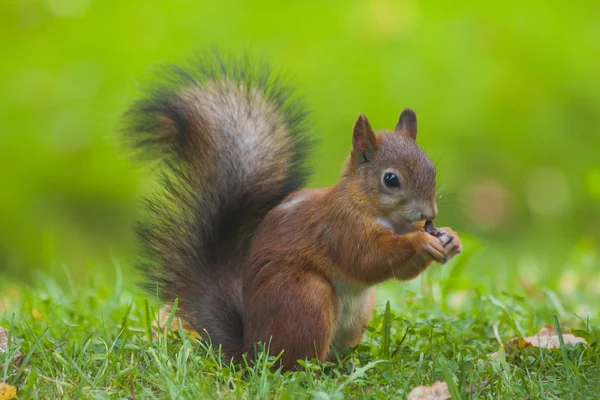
[391, 180]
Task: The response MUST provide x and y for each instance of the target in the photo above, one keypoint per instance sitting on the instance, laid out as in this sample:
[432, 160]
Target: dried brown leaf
[161, 319]
[547, 337]
[518, 343]
[437, 391]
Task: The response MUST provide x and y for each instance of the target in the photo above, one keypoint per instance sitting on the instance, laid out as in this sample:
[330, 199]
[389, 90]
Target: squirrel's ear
[407, 124]
[364, 142]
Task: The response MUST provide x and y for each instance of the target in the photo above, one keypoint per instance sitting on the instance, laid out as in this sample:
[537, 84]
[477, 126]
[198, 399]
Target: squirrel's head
[393, 172]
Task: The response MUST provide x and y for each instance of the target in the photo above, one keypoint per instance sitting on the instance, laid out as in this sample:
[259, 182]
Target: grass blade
[563, 349]
[386, 331]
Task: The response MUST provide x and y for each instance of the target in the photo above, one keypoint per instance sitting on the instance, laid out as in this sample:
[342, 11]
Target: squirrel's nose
[429, 214]
[426, 216]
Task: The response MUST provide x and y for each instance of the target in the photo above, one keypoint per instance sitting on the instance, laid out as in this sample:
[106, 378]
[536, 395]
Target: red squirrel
[250, 255]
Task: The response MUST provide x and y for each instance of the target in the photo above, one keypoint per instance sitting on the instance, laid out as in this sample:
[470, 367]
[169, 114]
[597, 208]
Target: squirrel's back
[231, 143]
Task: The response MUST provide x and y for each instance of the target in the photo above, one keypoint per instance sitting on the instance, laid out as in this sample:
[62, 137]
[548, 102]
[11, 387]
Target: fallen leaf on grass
[7, 392]
[437, 391]
[163, 317]
[546, 338]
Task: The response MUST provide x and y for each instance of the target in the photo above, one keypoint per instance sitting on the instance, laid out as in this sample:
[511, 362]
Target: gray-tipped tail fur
[231, 140]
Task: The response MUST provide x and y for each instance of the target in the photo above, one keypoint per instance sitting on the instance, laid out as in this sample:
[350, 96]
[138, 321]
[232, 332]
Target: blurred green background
[507, 94]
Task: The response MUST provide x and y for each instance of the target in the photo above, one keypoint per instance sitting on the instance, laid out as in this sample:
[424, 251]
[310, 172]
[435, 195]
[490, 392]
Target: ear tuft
[364, 142]
[407, 124]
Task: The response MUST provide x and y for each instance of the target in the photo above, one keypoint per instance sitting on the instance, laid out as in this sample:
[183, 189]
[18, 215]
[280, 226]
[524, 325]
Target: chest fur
[354, 308]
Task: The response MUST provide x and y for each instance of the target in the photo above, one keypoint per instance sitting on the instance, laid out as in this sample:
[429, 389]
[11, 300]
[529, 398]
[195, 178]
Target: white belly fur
[353, 304]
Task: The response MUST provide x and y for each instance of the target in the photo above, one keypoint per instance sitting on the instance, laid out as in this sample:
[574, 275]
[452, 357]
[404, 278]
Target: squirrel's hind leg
[292, 310]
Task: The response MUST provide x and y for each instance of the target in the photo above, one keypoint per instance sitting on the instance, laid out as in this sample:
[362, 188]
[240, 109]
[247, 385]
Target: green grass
[92, 340]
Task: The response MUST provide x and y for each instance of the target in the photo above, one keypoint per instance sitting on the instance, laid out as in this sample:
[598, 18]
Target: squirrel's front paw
[431, 247]
[451, 242]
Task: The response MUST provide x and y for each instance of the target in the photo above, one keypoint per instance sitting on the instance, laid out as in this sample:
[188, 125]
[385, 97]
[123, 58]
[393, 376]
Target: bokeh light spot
[68, 8]
[547, 190]
[487, 203]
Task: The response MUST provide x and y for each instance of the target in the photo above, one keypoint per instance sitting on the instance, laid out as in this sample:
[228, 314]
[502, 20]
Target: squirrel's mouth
[399, 225]
[405, 226]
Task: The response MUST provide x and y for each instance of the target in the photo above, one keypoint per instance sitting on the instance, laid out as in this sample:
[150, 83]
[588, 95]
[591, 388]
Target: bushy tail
[232, 142]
